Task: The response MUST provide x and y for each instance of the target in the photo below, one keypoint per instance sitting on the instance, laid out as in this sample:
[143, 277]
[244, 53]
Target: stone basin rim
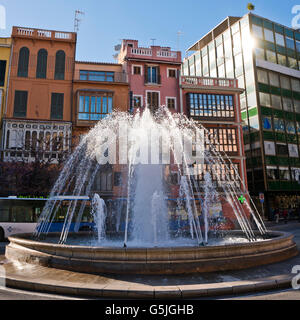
[23, 239]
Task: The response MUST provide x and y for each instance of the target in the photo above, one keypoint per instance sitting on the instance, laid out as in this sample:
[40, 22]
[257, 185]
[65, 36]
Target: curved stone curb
[133, 291]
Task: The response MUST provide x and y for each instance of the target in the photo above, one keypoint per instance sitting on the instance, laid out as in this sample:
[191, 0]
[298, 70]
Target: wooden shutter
[23, 62]
[20, 104]
[146, 74]
[158, 75]
[60, 65]
[57, 106]
[2, 72]
[41, 68]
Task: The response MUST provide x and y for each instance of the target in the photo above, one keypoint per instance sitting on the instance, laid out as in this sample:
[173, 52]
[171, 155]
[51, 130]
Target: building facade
[37, 118]
[98, 90]
[153, 75]
[264, 56]
[215, 104]
[5, 55]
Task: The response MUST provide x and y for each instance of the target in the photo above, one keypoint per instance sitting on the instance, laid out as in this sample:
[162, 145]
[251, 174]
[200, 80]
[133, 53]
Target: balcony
[101, 76]
[194, 82]
[155, 53]
[43, 34]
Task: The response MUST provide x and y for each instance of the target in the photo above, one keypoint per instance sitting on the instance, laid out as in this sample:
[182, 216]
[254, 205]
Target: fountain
[173, 177]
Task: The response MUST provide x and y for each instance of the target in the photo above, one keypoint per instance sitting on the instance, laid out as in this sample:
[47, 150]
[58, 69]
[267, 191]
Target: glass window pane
[271, 56]
[290, 43]
[274, 79]
[285, 83]
[104, 105]
[87, 104]
[81, 103]
[295, 85]
[110, 106]
[281, 59]
[279, 39]
[276, 102]
[293, 63]
[264, 99]
[287, 104]
[257, 31]
[269, 35]
[262, 76]
[260, 53]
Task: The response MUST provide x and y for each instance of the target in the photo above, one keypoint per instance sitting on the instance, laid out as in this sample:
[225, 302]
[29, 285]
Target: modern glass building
[265, 58]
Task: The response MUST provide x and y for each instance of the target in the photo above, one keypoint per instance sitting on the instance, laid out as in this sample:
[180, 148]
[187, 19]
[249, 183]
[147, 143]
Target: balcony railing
[209, 82]
[101, 76]
[152, 53]
[43, 34]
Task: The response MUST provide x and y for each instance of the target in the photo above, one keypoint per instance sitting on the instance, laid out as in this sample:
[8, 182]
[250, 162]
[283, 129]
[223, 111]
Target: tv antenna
[153, 41]
[77, 20]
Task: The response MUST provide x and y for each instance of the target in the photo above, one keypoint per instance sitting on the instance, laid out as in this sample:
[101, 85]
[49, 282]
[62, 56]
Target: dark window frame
[23, 62]
[57, 106]
[60, 65]
[20, 104]
[41, 66]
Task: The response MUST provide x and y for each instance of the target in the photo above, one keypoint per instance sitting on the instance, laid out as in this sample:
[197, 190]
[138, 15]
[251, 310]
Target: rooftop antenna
[153, 42]
[179, 34]
[77, 20]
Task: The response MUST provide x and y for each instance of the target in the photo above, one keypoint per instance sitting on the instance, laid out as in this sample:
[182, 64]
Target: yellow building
[5, 54]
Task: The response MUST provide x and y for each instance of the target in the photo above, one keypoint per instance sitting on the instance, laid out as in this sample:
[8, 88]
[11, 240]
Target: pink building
[153, 75]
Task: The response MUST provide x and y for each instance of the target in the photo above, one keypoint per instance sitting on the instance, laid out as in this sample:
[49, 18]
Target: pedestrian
[277, 215]
[285, 215]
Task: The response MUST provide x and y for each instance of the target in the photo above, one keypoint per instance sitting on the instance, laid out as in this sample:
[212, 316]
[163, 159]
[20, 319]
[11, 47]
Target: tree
[250, 6]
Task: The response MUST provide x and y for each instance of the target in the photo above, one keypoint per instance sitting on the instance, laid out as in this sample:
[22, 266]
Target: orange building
[38, 111]
[98, 90]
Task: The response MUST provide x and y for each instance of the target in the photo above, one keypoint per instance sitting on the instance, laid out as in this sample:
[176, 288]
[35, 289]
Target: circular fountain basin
[277, 247]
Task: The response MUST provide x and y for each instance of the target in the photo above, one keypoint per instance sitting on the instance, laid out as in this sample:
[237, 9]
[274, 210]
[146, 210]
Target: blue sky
[106, 22]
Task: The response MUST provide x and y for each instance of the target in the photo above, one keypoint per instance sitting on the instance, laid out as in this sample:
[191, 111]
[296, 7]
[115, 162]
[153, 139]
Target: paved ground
[244, 275]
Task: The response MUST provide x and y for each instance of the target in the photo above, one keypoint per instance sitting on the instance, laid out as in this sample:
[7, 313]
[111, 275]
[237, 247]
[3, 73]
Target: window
[285, 83]
[287, 104]
[94, 107]
[23, 62]
[171, 103]
[269, 36]
[257, 31]
[290, 127]
[274, 79]
[282, 149]
[57, 106]
[270, 148]
[60, 63]
[272, 173]
[281, 59]
[279, 39]
[295, 85]
[264, 99]
[41, 68]
[290, 43]
[20, 105]
[210, 105]
[152, 75]
[260, 53]
[153, 101]
[267, 123]
[137, 101]
[293, 151]
[271, 56]
[172, 73]
[2, 72]
[103, 181]
[293, 63]
[276, 102]
[97, 76]
[223, 139]
[279, 125]
[137, 70]
[262, 76]
[284, 174]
